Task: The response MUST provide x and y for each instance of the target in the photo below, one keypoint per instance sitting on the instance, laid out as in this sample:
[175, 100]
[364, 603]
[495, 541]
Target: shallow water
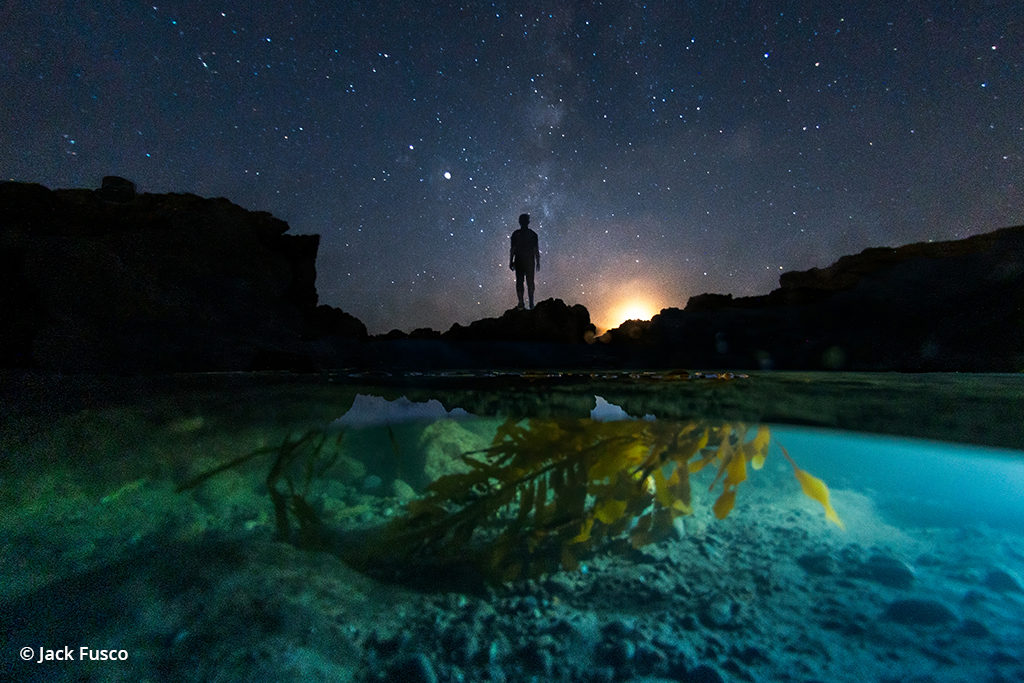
[299, 562]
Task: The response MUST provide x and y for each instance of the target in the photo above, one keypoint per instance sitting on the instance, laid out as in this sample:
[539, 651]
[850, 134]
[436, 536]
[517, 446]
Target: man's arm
[512, 257]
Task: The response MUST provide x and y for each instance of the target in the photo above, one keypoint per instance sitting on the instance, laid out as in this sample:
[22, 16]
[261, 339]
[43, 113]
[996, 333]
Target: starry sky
[663, 149]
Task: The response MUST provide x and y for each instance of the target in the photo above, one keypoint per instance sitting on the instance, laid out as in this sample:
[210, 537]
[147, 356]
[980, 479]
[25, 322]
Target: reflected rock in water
[374, 410]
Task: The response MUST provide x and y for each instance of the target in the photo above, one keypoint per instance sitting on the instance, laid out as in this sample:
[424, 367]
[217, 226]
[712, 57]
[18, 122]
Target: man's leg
[529, 287]
[519, 285]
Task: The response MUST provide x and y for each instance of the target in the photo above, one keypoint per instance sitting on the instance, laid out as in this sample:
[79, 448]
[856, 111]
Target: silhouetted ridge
[952, 306]
[113, 280]
[552, 320]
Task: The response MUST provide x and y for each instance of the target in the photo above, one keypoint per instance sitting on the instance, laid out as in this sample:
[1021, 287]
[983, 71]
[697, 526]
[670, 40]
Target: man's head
[524, 219]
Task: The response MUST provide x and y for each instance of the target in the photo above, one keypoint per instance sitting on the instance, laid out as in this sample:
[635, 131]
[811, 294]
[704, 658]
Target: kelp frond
[298, 462]
[814, 488]
[549, 491]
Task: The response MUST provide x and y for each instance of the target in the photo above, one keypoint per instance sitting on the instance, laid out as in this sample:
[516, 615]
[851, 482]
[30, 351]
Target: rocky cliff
[111, 280]
[954, 306]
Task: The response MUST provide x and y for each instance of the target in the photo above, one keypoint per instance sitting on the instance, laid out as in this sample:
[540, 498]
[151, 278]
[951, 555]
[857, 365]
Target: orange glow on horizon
[631, 309]
[615, 299]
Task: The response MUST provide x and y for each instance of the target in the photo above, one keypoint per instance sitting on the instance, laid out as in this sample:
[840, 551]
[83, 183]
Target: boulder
[116, 189]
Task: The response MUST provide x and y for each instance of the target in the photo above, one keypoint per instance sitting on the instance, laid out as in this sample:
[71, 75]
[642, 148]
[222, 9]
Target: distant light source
[633, 309]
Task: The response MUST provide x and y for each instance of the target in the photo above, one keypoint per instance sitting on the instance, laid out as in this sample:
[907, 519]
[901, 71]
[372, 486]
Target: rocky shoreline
[113, 281]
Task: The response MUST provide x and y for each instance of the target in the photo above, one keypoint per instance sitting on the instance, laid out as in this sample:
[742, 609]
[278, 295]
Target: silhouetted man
[524, 257]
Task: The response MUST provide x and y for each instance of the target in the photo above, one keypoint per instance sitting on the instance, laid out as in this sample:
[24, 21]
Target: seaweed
[550, 491]
[547, 493]
[815, 489]
[299, 461]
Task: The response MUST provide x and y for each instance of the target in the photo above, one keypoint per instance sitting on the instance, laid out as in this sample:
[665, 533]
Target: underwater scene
[506, 527]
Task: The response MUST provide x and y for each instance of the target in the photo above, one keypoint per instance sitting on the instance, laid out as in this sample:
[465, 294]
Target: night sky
[663, 149]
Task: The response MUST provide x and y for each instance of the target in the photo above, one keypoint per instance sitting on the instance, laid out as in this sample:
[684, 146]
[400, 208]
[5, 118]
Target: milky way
[662, 150]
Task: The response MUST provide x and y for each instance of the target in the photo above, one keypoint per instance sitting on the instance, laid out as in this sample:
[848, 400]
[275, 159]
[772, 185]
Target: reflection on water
[347, 532]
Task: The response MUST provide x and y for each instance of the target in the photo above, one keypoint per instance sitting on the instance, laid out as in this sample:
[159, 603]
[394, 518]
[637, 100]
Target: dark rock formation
[116, 189]
[953, 306]
[552, 335]
[330, 321]
[631, 333]
[551, 320]
[918, 612]
[114, 281]
[424, 333]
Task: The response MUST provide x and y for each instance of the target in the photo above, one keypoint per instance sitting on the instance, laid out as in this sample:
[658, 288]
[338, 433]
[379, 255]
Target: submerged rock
[822, 564]
[917, 612]
[402, 491]
[886, 570]
[444, 442]
[414, 669]
[1002, 581]
[972, 628]
[721, 613]
[705, 674]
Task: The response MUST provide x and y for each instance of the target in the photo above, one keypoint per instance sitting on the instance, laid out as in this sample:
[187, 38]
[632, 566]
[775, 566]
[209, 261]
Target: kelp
[298, 462]
[548, 492]
[814, 488]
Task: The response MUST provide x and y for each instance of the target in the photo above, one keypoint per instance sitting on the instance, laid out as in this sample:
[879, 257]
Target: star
[648, 154]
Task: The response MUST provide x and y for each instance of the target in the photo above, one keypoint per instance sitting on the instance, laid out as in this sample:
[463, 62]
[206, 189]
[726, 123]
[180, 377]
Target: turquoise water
[232, 527]
[920, 482]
